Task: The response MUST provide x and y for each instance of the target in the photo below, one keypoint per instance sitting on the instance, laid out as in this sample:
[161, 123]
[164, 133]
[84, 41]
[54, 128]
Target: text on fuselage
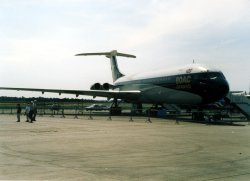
[183, 82]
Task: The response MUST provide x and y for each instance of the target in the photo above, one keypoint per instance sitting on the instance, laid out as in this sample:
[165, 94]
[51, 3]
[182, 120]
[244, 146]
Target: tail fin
[112, 55]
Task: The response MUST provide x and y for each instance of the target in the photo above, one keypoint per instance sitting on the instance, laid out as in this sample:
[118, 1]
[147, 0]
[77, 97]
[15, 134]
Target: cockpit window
[213, 76]
[216, 75]
[210, 76]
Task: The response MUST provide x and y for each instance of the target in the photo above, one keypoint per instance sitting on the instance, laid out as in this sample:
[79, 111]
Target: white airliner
[192, 84]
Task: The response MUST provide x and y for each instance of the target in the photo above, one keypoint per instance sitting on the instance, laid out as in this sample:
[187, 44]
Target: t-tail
[116, 74]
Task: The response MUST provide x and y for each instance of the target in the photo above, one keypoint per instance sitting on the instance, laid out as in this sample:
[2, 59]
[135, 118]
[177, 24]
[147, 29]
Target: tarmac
[54, 148]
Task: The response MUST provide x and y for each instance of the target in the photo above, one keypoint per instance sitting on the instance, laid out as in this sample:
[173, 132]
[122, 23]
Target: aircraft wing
[94, 93]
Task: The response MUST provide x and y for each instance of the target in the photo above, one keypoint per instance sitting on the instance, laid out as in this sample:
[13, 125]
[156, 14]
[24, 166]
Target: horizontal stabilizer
[108, 54]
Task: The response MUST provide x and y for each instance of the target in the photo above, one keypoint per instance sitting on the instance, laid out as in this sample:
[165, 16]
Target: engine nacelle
[96, 86]
[107, 86]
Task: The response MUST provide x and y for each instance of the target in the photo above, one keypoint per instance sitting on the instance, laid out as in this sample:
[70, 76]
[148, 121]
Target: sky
[39, 38]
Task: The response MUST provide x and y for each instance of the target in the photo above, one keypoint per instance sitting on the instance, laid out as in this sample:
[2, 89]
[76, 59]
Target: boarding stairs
[241, 102]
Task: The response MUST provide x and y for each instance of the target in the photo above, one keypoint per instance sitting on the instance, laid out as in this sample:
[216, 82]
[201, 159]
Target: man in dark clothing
[18, 112]
[31, 112]
[34, 111]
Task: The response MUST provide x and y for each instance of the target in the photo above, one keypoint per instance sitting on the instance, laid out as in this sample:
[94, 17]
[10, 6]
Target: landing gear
[153, 111]
[115, 109]
[198, 115]
[136, 108]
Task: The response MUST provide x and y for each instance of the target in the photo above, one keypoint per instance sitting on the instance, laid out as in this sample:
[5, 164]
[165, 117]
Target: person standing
[18, 112]
[27, 111]
[34, 110]
[31, 112]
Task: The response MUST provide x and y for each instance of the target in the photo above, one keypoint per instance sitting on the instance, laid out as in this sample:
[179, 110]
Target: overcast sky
[39, 38]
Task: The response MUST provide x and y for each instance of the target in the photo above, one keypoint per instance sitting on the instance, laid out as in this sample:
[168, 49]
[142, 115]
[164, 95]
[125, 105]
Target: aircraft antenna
[249, 88]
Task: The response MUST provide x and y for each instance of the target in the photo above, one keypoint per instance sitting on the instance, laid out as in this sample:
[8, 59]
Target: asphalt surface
[100, 149]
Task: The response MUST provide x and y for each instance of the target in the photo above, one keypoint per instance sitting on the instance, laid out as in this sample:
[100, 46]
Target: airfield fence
[64, 109]
[54, 109]
[46, 109]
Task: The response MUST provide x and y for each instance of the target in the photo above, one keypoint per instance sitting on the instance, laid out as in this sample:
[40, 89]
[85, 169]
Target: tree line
[43, 99]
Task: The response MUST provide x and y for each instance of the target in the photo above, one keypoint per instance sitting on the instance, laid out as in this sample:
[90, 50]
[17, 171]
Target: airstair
[241, 102]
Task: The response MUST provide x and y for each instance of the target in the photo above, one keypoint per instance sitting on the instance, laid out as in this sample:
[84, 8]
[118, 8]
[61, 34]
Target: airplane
[192, 84]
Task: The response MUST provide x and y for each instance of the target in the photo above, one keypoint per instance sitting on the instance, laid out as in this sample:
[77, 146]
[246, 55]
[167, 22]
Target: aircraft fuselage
[192, 84]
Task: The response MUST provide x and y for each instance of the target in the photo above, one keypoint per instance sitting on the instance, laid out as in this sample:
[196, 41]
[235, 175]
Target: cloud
[190, 17]
[44, 35]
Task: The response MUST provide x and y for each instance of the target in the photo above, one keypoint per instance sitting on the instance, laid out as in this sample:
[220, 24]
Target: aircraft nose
[223, 87]
[218, 88]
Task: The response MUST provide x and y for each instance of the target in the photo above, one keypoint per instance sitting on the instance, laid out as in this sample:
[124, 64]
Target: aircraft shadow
[215, 122]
